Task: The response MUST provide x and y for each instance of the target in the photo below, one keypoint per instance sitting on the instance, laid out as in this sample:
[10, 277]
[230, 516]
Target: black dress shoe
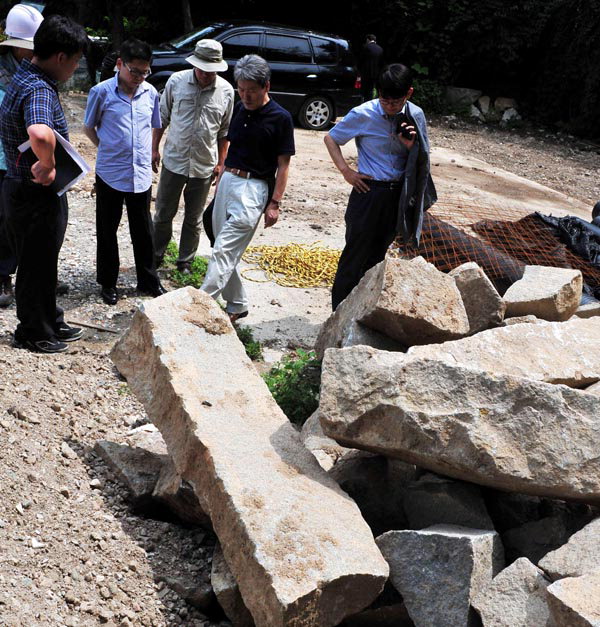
[109, 295]
[159, 290]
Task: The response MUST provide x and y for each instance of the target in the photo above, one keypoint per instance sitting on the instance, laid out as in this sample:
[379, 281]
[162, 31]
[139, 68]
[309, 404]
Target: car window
[286, 48]
[189, 39]
[236, 46]
[325, 51]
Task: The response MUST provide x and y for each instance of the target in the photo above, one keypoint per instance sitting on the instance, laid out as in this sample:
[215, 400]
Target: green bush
[195, 278]
[252, 346]
[429, 95]
[294, 383]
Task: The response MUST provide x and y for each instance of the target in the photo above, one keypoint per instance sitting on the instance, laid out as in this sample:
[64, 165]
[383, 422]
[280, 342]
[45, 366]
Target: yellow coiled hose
[293, 265]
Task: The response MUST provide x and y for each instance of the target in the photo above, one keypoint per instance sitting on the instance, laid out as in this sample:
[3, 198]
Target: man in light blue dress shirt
[392, 185]
[120, 115]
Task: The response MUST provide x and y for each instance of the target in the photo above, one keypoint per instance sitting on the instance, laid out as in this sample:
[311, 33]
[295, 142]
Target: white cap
[22, 23]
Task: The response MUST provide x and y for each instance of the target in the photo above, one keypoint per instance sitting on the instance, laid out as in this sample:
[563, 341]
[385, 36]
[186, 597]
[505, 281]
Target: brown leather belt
[241, 173]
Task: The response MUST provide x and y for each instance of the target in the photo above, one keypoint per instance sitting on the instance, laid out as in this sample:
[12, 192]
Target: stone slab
[409, 301]
[516, 597]
[575, 601]
[296, 544]
[579, 556]
[227, 591]
[546, 292]
[434, 500]
[496, 430]
[554, 352]
[439, 570]
[484, 306]
[326, 451]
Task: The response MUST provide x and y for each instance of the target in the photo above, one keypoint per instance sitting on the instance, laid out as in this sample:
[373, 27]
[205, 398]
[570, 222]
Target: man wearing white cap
[22, 22]
[197, 104]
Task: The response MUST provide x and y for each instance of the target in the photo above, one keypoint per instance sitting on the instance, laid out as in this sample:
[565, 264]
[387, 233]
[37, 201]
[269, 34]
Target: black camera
[402, 118]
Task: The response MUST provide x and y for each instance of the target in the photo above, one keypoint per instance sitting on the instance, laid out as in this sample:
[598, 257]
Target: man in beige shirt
[197, 105]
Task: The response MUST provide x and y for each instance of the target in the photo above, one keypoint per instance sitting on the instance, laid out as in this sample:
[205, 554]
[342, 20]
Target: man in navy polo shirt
[36, 217]
[261, 136]
[120, 115]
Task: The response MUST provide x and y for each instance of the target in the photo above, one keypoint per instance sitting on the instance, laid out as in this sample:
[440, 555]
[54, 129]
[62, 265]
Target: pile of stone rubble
[450, 476]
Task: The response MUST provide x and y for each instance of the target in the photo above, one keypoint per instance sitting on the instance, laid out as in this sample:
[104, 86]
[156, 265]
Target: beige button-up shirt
[197, 118]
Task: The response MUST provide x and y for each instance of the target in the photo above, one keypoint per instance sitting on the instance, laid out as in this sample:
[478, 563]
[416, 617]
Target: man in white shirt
[197, 104]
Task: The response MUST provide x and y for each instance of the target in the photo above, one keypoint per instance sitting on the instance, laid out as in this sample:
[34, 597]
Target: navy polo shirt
[258, 138]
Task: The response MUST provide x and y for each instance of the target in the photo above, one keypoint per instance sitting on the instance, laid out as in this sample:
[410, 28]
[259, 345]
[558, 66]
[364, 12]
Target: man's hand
[155, 160]
[44, 175]
[356, 179]
[216, 175]
[271, 214]
[409, 142]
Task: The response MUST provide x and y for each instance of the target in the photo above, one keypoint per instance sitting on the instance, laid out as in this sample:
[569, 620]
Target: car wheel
[316, 113]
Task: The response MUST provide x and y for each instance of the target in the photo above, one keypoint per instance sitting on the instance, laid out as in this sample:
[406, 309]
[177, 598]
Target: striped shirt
[31, 98]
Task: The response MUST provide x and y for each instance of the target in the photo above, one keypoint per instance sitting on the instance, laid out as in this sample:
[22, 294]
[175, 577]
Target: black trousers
[370, 229]
[109, 210]
[36, 220]
[8, 260]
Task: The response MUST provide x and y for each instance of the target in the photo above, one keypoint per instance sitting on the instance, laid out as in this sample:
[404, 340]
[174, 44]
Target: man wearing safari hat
[22, 23]
[197, 104]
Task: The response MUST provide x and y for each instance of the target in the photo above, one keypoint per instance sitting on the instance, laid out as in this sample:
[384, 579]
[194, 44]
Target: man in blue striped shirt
[120, 115]
[36, 217]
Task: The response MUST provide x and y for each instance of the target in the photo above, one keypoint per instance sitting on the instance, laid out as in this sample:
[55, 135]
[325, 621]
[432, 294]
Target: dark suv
[313, 74]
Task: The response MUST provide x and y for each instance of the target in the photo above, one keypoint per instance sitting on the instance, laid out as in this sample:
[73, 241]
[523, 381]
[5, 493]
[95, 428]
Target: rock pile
[473, 456]
[504, 406]
[482, 107]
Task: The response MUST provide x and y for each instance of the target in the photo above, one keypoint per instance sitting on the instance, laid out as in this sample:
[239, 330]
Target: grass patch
[252, 346]
[195, 278]
[294, 383]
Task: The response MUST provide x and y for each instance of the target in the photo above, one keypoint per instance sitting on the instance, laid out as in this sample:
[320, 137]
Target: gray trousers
[170, 186]
[239, 206]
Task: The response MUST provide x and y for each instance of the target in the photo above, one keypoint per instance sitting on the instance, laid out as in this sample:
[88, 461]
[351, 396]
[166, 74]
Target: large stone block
[497, 430]
[296, 544]
[554, 352]
[326, 450]
[535, 539]
[546, 292]
[138, 469]
[575, 601]
[227, 591]
[439, 570]
[515, 598]
[434, 500]
[579, 556]
[411, 302]
[484, 306]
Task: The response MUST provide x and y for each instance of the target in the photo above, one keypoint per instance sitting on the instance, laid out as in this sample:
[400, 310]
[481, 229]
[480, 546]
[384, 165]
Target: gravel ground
[72, 550]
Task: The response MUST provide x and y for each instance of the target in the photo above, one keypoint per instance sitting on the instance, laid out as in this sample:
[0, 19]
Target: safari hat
[22, 23]
[208, 56]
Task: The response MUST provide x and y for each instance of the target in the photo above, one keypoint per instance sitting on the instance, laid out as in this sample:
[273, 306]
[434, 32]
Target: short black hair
[394, 81]
[59, 34]
[135, 49]
[371, 38]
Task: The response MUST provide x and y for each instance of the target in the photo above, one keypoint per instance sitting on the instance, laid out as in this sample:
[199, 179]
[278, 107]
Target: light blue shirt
[380, 153]
[124, 127]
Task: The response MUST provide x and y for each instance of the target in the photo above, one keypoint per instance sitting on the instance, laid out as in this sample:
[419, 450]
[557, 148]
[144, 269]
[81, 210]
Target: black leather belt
[384, 184]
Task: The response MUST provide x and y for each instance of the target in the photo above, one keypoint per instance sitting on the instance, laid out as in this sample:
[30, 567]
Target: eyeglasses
[139, 73]
[392, 101]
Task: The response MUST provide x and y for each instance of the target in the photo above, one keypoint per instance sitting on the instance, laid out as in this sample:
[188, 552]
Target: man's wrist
[275, 202]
